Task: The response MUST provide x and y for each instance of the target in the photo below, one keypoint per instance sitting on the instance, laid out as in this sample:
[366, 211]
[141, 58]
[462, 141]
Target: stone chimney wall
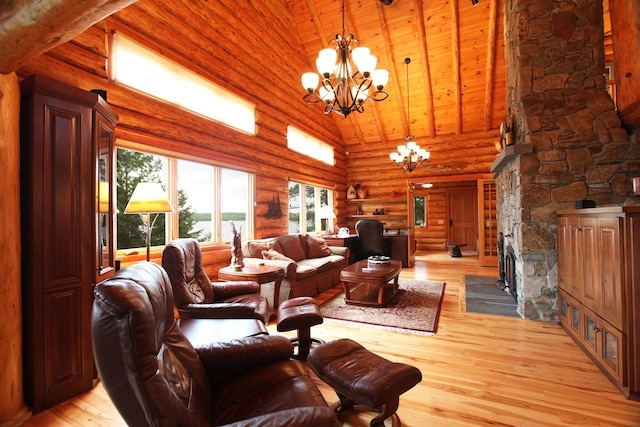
[557, 103]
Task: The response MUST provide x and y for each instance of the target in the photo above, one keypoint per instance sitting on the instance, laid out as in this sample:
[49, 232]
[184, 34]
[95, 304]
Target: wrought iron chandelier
[342, 90]
[409, 155]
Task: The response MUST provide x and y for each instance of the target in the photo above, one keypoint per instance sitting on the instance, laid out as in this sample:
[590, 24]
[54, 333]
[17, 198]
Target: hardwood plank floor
[478, 370]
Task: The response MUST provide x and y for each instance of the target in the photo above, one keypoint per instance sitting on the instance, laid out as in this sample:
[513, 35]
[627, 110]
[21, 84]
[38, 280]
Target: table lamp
[326, 212]
[148, 198]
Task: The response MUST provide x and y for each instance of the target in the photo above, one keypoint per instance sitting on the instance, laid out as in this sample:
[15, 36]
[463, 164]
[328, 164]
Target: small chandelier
[409, 155]
[342, 90]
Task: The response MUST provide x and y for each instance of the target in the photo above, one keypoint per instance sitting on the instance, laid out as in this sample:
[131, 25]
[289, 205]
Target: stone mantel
[509, 153]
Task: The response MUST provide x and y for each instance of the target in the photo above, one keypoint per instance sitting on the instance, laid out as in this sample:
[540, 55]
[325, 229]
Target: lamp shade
[327, 212]
[103, 196]
[148, 197]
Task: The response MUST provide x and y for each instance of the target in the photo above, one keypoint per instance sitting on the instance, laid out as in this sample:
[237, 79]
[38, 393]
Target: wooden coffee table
[369, 285]
[260, 273]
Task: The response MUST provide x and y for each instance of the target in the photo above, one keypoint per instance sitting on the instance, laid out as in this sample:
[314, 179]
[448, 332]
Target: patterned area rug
[414, 309]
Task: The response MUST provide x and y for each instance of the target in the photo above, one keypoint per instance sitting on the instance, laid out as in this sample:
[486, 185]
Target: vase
[362, 193]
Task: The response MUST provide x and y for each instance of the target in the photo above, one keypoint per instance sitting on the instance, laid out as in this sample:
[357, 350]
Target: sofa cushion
[273, 254]
[317, 264]
[316, 246]
[292, 247]
[256, 247]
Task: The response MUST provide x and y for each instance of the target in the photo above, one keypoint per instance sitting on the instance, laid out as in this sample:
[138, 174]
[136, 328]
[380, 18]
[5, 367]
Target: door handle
[450, 222]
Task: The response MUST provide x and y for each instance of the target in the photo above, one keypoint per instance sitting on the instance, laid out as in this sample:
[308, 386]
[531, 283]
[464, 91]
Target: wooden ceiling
[457, 70]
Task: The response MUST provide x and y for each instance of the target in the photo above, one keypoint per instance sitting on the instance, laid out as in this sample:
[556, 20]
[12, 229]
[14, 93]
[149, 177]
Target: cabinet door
[589, 263]
[576, 266]
[564, 253]
[57, 220]
[612, 354]
[610, 270]
[105, 202]
[569, 314]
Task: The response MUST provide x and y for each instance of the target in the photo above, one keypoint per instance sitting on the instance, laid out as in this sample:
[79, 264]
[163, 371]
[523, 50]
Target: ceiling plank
[489, 70]
[455, 52]
[29, 29]
[426, 68]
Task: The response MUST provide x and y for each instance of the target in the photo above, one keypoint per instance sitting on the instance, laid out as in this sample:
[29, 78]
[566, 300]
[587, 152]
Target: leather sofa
[310, 265]
[155, 376]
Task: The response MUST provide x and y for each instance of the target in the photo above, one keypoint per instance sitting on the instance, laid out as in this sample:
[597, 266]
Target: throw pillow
[292, 247]
[257, 246]
[317, 247]
[271, 254]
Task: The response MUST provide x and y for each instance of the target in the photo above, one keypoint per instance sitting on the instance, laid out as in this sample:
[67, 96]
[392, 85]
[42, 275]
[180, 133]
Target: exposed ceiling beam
[426, 68]
[29, 28]
[455, 51]
[491, 55]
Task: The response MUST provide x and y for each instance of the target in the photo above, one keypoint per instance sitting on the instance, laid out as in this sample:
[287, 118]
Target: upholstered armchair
[196, 296]
[155, 377]
[371, 239]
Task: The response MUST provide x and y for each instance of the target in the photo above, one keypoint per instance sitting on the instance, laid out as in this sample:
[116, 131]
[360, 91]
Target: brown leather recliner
[155, 377]
[196, 296]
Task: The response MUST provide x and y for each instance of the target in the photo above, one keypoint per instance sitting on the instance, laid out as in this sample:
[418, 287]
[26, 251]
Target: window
[304, 143]
[136, 66]
[205, 198]
[420, 211]
[316, 219]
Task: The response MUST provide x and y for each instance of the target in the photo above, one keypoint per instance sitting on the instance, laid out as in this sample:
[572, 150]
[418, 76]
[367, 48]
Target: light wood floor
[478, 370]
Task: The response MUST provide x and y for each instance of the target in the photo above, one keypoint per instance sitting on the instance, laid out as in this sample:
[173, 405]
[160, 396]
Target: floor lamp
[148, 198]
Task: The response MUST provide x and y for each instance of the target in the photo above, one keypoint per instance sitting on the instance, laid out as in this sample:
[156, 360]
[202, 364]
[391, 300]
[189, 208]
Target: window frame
[171, 189]
[329, 223]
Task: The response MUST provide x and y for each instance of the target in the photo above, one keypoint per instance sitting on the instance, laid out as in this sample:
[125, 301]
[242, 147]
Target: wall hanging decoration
[275, 211]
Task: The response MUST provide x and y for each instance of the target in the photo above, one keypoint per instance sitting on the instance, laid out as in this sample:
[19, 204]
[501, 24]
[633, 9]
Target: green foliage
[133, 167]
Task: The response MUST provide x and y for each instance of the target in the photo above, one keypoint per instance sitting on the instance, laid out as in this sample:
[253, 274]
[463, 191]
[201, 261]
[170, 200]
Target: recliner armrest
[224, 290]
[218, 310]
[223, 360]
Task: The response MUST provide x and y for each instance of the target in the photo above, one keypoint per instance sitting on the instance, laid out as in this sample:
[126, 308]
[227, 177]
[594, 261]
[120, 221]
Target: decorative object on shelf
[636, 186]
[343, 90]
[359, 210]
[148, 198]
[505, 134]
[274, 212]
[361, 191]
[343, 232]
[351, 193]
[379, 211]
[409, 155]
[237, 258]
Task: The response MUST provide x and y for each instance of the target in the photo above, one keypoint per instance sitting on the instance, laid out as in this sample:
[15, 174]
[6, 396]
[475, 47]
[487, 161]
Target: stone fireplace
[568, 143]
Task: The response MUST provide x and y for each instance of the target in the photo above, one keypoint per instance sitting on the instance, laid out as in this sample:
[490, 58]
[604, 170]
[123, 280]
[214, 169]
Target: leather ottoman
[360, 377]
[300, 313]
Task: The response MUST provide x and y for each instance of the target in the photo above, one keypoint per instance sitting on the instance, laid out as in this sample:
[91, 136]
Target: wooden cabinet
[599, 280]
[59, 217]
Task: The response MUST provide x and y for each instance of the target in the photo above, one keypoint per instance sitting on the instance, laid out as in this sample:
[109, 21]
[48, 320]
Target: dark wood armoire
[67, 205]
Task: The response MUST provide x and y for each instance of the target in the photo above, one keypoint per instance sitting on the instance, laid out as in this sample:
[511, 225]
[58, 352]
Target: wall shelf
[378, 200]
[388, 216]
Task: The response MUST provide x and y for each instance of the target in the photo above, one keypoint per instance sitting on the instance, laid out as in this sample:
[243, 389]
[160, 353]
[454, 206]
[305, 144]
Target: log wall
[249, 48]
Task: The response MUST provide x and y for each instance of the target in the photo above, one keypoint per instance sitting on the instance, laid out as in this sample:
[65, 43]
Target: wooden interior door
[487, 223]
[462, 208]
